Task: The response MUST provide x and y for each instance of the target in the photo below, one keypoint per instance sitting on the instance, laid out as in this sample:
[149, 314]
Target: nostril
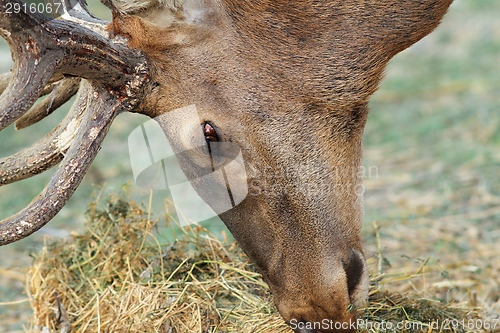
[354, 270]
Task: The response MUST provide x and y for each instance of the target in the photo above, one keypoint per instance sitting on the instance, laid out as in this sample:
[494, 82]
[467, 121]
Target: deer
[288, 82]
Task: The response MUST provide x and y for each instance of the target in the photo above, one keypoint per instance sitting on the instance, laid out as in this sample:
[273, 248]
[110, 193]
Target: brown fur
[289, 82]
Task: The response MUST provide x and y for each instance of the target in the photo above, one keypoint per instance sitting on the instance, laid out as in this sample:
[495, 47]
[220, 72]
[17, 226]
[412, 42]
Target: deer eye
[210, 132]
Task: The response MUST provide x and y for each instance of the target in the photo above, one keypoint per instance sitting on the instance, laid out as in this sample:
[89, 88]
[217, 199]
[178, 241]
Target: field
[432, 146]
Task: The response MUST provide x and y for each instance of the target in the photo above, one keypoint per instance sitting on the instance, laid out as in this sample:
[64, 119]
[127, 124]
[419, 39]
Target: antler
[50, 58]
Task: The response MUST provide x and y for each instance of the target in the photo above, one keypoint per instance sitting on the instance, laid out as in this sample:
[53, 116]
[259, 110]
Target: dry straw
[118, 277]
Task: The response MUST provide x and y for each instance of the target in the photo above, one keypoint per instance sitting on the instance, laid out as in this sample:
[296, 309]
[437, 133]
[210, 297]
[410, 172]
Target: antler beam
[42, 48]
[51, 57]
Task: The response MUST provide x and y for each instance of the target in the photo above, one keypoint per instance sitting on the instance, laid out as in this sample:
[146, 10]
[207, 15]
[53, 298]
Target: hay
[118, 277]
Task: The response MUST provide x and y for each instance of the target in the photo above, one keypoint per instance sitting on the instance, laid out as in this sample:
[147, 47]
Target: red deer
[286, 81]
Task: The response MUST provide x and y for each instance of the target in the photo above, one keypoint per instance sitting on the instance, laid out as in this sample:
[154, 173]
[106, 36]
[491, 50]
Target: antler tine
[75, 11]
[4, 81]
[60, 94]
[54, 81]
[48, 151]
[99, 114]
[27, 82]
[7, 77]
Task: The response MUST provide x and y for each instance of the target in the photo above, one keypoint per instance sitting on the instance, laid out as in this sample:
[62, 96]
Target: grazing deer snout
[327, 298]
[316, 271]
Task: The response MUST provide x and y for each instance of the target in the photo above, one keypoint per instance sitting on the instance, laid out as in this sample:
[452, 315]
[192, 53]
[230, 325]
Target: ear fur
[137, 6]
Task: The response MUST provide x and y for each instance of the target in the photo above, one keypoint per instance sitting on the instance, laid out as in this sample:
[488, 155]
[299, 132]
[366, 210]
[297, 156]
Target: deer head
[286, 81]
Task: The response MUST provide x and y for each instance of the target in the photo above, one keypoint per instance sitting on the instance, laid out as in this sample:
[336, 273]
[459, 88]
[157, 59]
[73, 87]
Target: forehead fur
[134, 6]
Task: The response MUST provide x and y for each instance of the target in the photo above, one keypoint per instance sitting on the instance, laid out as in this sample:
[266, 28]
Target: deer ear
[401, 23]
[138, 6]
[144, 21]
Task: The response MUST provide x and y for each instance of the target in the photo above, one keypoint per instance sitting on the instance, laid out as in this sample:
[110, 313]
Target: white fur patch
[133, 6]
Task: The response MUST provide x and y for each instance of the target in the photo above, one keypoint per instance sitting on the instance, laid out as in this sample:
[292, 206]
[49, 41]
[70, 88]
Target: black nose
[353, 268]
